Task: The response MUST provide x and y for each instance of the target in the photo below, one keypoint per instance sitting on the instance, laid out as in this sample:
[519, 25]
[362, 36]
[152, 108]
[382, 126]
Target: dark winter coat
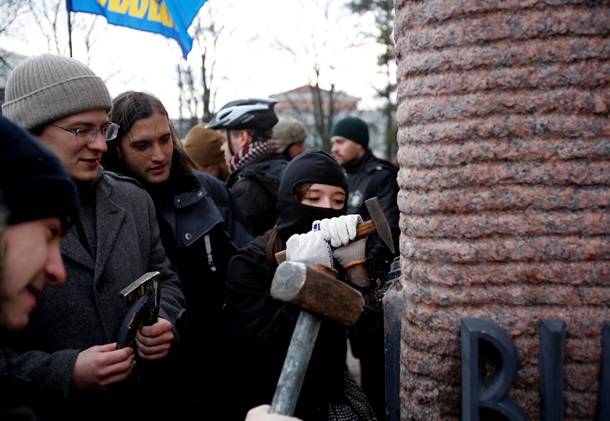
[201, 227]
[263, 327]
[368, 177]
[16, 394]
[87, 310]
[255, 187]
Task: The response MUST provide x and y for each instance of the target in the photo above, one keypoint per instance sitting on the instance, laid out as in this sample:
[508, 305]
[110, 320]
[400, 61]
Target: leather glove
[309, 248]
[352, 254]
[338, 231]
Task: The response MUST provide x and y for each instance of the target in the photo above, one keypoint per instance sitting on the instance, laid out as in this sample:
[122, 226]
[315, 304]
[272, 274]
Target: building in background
[300, 103]
[8, 61]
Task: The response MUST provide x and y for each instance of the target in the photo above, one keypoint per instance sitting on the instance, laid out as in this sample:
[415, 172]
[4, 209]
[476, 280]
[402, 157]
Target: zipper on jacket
[208, 247]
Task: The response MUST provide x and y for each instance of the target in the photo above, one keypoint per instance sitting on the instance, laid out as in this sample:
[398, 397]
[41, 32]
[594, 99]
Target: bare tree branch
[318, 52]
[9, 12]
[199, 94]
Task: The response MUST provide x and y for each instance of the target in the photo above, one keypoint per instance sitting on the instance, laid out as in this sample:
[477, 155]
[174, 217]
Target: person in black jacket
[367, 177]
[255, 166]
[32, 226]
[313, 189]
[201, 226]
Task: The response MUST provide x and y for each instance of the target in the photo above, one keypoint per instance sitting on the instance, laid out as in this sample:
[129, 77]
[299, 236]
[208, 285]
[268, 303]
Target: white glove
[338, 231]
[352, 254]
[309, 248]
[261, 413]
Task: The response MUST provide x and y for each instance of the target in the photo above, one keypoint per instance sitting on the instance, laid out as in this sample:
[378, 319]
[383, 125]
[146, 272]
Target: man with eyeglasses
[68, 351]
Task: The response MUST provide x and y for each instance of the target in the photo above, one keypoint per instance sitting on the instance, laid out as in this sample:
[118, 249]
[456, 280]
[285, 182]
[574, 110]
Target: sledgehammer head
[317, 292]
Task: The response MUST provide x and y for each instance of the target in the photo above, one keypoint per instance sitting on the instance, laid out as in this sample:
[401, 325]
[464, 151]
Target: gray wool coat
[87, 309]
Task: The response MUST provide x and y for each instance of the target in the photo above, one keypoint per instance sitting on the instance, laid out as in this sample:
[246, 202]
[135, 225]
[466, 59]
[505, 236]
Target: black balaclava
[312, 166]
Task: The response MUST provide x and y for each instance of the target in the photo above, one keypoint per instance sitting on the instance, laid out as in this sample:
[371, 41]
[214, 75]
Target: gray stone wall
[504, 149]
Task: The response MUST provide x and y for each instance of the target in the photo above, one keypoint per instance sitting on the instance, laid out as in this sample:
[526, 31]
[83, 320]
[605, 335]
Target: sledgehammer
[319, 294]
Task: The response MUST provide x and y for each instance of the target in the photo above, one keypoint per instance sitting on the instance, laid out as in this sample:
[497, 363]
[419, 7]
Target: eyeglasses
[89, 134]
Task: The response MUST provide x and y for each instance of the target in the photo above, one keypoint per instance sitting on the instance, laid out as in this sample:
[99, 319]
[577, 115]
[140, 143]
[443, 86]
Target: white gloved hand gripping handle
[338, 231]
[310, 248]
[352, 254]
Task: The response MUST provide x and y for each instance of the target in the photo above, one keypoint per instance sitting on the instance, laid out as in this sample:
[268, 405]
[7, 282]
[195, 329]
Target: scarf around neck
[249, 153]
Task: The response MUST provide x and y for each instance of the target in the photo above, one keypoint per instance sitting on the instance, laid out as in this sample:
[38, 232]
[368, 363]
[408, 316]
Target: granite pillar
[504, 149]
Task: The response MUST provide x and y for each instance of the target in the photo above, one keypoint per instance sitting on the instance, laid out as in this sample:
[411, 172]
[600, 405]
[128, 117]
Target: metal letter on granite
[489, 368]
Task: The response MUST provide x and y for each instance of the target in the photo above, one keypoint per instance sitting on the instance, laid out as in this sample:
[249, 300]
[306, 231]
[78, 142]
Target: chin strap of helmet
[229, 142]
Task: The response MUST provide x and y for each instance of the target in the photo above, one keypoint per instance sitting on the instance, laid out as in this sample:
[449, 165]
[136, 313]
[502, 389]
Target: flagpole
[69, 34]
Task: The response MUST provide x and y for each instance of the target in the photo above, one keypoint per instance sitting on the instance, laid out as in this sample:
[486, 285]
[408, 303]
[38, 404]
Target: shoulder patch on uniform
[355, 199]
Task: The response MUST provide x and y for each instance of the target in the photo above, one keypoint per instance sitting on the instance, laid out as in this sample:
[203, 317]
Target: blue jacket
[201, 228]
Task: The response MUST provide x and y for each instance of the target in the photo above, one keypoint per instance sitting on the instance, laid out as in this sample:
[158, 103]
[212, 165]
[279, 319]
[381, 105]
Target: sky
[266, 47]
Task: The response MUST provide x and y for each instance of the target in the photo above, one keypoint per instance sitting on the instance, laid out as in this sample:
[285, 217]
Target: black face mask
[313, 166]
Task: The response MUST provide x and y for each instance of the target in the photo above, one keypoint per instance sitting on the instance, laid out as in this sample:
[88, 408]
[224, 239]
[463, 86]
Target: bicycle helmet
[251, 113]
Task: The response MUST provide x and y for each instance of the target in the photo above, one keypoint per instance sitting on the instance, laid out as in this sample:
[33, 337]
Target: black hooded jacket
[263, 326]
[254, 188]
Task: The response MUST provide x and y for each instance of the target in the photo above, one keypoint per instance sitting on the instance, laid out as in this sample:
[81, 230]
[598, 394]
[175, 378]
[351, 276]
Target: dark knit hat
[203, 145]
[352, 128]
[48, 87]
[287, 132]
[33, 182]
[312, 166]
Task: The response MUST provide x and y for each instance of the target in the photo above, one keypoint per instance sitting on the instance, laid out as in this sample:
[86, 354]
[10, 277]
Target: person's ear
[244, 138]
[118, 151]
[361, 149]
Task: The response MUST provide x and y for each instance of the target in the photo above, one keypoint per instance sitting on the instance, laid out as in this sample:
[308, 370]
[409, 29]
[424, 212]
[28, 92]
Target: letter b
[489, 368]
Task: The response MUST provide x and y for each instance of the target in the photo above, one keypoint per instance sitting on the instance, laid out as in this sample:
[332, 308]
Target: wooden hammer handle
[363, 229]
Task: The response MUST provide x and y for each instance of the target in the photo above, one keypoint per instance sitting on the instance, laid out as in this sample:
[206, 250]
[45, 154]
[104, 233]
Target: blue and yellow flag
[170, 18]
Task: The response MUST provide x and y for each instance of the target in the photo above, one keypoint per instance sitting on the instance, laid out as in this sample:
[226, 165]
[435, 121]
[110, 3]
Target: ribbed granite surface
[504, 149]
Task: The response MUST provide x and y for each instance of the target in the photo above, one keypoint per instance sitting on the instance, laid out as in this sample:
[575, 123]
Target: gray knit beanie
[48, 87]
[352, 128]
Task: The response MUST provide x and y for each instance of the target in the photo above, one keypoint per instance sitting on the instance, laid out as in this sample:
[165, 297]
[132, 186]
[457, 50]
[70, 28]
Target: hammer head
[143, 295]
[317, 292]
[373, 205]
